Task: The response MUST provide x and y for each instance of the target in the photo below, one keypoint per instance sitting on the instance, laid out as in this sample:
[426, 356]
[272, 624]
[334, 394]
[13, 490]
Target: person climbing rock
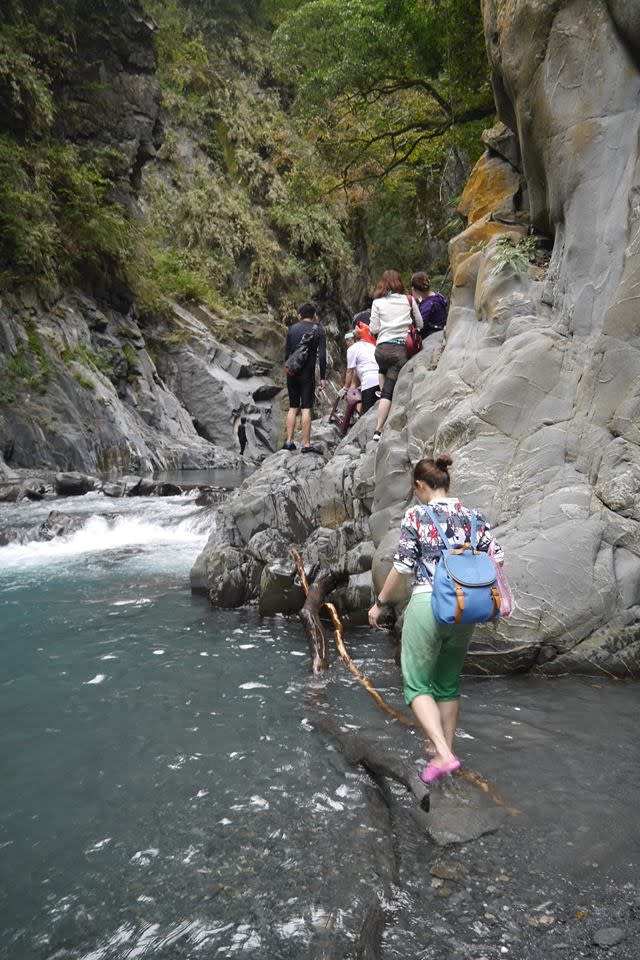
[362, 369]
[433, 305]
[364, 316]
[391, 314]
[432, 653]
[301, 385]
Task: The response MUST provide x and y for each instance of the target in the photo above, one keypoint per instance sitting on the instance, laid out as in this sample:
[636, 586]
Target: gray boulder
[220, 383]
[74, 484]
[56, 525]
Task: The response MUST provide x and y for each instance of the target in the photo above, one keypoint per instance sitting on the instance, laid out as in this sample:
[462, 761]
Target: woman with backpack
[432, 652]
[391, 314]
[433, 306]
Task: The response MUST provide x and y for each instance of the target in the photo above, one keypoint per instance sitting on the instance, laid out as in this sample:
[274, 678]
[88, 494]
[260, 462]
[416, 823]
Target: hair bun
[443, 462]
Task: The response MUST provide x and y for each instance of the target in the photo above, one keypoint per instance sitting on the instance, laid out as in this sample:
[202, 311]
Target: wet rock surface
[528, 872]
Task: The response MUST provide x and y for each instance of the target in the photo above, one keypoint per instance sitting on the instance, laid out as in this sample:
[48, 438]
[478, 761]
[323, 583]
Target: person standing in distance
[301, 386]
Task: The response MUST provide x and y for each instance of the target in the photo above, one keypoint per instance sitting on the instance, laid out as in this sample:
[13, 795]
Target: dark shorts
[369, 398]
[302, 391]
[390, 357]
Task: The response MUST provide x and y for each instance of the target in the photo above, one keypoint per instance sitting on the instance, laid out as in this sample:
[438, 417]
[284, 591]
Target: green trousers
[432, 653]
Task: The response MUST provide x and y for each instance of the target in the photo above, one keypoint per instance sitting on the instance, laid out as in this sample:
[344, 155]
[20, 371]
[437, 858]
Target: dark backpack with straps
[297, 359]
[434, 317]
[464, 583]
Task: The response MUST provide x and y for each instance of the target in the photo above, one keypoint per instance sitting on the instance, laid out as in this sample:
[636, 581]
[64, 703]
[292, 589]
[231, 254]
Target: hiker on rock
[364, 316]
[305, 344]
[433, 306]
[362, 369]
[432, 652]
[391, 314]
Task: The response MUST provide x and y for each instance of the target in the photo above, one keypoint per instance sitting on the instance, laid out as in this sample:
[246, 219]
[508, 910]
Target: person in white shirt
[391, 314]
[362, 370]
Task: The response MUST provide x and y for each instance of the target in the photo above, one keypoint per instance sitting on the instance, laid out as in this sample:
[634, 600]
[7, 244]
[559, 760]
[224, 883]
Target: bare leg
[383, 412]
[291, 423]
[449, 710]
[428, 714]
[306, 427]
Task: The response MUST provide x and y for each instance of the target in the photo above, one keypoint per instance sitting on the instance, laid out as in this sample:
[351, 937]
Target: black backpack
[296, 360]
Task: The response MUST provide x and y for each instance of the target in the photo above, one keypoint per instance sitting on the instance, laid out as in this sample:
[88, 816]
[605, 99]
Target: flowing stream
[168, 791]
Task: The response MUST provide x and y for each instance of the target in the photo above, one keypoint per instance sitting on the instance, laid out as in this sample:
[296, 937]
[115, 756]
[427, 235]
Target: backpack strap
[441, 532]
[410, 301]
[443, 536]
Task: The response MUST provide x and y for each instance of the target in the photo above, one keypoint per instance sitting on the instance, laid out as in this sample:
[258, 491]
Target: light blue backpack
[464, 583]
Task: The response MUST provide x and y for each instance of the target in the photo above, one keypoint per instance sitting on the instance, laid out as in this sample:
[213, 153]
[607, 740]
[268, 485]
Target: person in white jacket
[391, 314]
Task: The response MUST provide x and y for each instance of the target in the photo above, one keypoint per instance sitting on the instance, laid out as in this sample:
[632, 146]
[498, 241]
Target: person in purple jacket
[433, 306]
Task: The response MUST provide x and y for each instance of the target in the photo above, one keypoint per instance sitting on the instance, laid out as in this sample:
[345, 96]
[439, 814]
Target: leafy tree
[377, 80]
[394, 95]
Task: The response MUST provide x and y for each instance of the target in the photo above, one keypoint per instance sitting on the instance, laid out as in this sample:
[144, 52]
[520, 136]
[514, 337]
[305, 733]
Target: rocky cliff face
[88, 388]
[111, 97]
[536, 391]
[84, 384]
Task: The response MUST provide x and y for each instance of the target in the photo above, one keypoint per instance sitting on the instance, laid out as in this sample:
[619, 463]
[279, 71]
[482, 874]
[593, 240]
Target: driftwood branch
[311, 619]
[316, 592]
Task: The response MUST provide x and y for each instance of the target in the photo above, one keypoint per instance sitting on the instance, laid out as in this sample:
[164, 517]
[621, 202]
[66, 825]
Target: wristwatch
[381, 603]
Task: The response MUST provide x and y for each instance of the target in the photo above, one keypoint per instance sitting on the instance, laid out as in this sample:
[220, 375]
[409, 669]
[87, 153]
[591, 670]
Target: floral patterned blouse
[420, 541]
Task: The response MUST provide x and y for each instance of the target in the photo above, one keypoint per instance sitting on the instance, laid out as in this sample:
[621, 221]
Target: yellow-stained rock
[475, 238]
[490, 188]
[466, 274]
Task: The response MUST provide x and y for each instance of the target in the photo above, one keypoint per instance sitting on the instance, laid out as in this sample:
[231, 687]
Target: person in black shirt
[301, 386]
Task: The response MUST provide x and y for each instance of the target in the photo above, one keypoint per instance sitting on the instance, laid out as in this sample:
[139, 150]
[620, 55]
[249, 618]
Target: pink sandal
[434, 771]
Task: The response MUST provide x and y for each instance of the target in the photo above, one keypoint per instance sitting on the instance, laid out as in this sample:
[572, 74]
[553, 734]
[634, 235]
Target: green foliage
[83, 380]
[247, 203]
[30, 365]
[56, 218]
[394, 95]
[25, 89]
[28, 234]
[236, 221]
[380, 80]
[517, 257]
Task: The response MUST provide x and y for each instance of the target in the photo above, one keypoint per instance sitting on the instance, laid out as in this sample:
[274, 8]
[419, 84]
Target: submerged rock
[56, 525]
